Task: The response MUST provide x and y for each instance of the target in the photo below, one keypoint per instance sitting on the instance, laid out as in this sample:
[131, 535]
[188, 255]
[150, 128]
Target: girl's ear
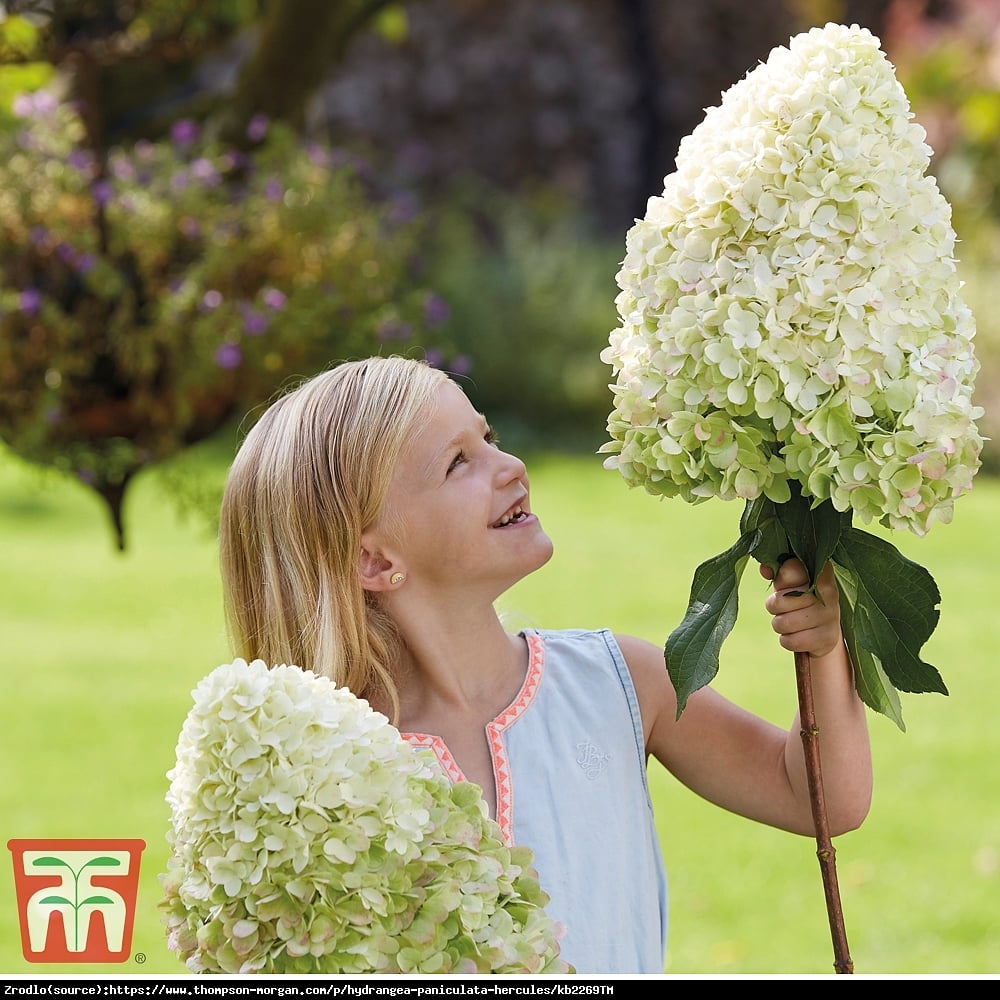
[376, 570]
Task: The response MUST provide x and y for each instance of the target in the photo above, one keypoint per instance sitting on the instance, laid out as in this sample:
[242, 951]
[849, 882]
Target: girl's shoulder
[644, 665]
[573, 644]
[630, 648]
[568, 633]
[637, 663]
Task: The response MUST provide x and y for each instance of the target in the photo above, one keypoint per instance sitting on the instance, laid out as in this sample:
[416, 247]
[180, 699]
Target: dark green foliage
[888, 603]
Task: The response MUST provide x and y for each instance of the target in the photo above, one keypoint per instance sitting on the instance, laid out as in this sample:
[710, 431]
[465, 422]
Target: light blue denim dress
[570, 768]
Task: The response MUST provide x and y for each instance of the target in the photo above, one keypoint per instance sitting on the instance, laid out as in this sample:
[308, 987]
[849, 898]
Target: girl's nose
[510, 467]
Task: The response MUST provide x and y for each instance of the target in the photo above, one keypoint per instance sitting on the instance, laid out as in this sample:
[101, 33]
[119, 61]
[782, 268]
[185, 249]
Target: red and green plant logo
[76, 898]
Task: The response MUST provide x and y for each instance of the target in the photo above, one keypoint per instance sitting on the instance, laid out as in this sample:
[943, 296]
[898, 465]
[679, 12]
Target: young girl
[368, 526]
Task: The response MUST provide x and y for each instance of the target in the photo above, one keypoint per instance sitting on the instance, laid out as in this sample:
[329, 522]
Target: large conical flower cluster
[790, 308]
[308, 837]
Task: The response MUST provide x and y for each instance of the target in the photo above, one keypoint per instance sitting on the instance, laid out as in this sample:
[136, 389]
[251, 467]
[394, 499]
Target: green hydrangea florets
[790, 308]
[308, 837]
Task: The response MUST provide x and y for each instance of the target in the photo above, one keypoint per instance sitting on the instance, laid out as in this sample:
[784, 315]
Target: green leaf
[692, 649]
[55, 899]
[895, 610]
[96, 900]
[905, 669]
[813, 532]
[103, 862]
[772, 542]
[888, 607]
[49, 862]
[873, 686]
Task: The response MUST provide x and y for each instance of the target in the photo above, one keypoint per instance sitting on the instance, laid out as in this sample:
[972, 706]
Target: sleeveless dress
[570, 768]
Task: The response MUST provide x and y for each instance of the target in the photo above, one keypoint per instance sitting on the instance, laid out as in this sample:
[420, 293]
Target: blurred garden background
[204, 200]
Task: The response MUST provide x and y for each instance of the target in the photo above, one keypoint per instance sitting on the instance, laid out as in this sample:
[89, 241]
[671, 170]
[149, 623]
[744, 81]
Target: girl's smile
[518, 514]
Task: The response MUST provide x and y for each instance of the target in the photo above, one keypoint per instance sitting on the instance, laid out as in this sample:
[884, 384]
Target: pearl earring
[396, 578]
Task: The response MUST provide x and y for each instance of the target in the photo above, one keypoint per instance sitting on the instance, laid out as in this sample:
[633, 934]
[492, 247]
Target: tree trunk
[299, 42]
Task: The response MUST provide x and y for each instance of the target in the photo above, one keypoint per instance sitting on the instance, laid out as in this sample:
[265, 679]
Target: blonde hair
[310, 477]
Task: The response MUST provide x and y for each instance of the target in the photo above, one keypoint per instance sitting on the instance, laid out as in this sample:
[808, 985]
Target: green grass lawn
[101, 651]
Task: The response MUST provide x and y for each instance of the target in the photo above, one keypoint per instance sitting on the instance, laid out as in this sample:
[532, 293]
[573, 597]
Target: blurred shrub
[21, 69]
[530, 288]
[149, 296]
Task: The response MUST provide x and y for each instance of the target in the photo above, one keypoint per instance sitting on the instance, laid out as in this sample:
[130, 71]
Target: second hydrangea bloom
[790, 307]
[308, 837]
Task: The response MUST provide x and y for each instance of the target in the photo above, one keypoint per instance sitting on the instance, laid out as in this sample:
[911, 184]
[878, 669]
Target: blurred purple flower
[274, 299]
[436, 310]
[228, 356]
[36, 105]
[122, 168]
[31, 301]
[145, 150]
[319, 155]
[273, 190]
[204, 170]
[102, 191]
[254, 322]
[393, 329]
[403, 207]
[38, 235]
[257, 128]
[461, 365]
[23, 106]
[45, 103]
[80, 160]
[81, 262]
[189, 226]
[180, 180]
[235, 159]
[212, 299]
[434, 358]
[184, 132]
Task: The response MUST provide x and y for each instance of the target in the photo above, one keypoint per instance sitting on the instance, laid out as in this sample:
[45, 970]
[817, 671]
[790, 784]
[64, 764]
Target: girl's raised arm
[745, 764]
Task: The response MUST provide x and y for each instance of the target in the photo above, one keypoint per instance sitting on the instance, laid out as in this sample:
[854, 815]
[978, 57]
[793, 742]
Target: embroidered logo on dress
[591, 758]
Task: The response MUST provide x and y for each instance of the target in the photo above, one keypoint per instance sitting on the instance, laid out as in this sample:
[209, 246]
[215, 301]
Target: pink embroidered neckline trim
[494, 736]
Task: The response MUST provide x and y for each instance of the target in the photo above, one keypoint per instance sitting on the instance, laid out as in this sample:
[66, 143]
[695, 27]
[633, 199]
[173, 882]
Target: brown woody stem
[842, 962]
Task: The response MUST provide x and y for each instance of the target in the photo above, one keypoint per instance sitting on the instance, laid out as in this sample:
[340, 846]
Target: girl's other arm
[745, 764]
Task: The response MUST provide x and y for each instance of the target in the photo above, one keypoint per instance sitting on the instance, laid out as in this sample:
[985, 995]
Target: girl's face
[457, 515]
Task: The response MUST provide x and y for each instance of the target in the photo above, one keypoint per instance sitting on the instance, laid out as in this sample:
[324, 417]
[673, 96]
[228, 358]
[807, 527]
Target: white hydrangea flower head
[307, 836]
[790, 308]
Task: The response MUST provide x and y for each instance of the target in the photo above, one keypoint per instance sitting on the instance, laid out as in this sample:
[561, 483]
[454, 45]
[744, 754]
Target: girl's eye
[490, 437]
